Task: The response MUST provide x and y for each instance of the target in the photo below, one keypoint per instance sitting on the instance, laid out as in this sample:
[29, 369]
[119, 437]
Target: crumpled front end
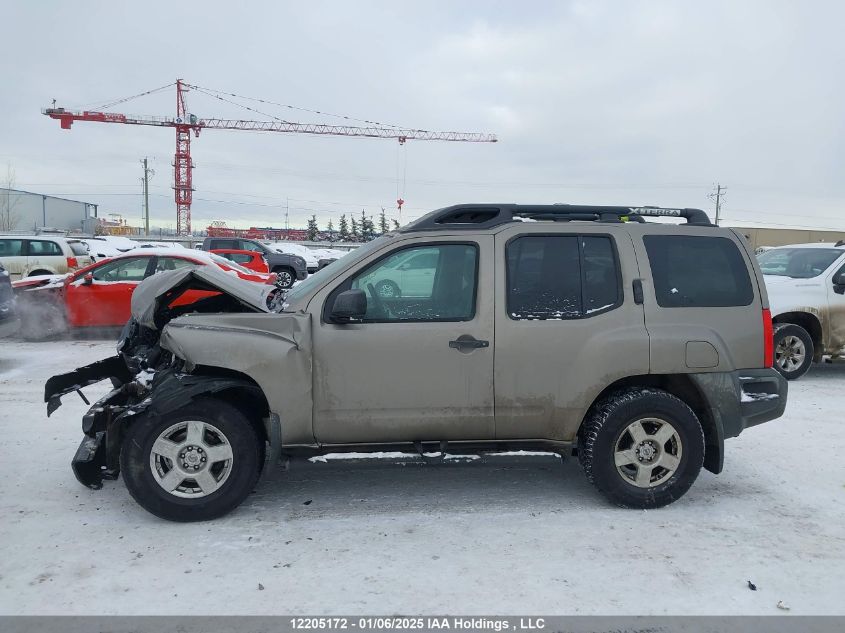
[148, 379]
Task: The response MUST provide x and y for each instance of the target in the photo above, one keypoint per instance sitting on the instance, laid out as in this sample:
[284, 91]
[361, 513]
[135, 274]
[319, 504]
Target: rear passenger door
[703, 307]
[567, 325]
[45, 255]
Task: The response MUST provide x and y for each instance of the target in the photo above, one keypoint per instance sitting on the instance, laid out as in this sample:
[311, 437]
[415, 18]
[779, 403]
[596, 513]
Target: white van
[30, 255]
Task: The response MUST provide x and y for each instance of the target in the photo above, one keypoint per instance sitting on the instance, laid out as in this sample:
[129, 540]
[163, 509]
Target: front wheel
[794, 350]
[193, 465]
[285, 277]
[641, 447]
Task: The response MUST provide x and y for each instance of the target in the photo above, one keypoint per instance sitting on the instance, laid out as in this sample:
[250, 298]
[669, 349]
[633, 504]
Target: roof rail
[484, 216]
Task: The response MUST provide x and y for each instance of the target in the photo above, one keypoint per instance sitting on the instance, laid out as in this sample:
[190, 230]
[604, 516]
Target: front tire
[195, 464]
[285, 277]
[794, 350]
[641, 447]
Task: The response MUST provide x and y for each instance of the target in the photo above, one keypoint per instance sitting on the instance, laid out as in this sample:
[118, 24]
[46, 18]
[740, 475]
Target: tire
[613, 459]
[286, 276]
[35, 273]
[231, 479]
[388, 289]
[794, 350]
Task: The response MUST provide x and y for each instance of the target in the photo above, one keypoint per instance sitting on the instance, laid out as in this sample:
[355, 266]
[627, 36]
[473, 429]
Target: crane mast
[186, 123]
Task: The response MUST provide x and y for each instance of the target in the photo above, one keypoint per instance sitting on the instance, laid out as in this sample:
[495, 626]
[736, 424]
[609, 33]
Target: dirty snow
[508, 534]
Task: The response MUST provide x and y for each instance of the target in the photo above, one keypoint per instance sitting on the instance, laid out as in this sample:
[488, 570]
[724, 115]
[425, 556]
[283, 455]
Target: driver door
[106, 300]
[836, 307]
[401, 374]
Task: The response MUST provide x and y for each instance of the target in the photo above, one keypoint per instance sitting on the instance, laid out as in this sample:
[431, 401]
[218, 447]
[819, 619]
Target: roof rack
[484, 216]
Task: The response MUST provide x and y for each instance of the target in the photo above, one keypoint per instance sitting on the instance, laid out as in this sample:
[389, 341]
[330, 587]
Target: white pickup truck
[806, 285]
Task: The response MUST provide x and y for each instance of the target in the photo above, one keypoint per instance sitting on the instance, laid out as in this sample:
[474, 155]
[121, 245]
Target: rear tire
[794, 350]
[197, 463]
[641, 447]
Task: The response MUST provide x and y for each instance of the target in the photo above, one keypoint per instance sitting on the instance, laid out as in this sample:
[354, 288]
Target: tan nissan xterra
[639, 346]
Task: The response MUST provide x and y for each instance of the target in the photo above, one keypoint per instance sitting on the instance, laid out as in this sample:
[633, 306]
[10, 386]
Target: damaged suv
[639, 346]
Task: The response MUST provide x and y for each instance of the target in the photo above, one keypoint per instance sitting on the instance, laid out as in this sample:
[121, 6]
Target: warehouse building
[759, 236]
[25, 211]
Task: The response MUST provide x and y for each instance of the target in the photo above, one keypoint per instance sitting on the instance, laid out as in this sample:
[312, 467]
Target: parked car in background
[312, 262]
[7, 303]
[100, 294]
[99, 248]
[806, 284]
[638, 346]
[31, 255]
[288, 267]
[252, 260]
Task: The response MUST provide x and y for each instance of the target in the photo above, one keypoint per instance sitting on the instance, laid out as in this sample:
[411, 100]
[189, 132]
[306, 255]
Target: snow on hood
[147, 296]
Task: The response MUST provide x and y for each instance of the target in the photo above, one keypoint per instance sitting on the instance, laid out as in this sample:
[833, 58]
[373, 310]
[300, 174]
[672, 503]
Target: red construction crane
[185, 123]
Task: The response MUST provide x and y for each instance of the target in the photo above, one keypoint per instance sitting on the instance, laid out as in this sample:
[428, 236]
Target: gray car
[637, 346]
[288, 268]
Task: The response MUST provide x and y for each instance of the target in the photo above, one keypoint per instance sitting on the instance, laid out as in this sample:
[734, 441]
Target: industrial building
[759, 236]
[25, 211]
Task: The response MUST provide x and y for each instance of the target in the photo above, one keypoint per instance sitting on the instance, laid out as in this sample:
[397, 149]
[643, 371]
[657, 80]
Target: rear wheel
[794, 350]
[196, 464]
[642, 447]
[285, 277]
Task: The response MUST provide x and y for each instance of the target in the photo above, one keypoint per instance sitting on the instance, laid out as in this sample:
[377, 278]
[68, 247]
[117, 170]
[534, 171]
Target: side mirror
[348, 305]
[839, 283]
[88, 279]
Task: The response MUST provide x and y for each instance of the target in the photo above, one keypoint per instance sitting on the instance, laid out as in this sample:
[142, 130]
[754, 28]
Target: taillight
[768, 339]
[272, 278]
[72, 263]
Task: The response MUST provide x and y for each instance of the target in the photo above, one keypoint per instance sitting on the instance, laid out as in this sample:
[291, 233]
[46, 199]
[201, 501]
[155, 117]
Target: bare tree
[9, 218]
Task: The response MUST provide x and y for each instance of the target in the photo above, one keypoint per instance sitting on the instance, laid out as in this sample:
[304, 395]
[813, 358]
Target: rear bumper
[743, 398]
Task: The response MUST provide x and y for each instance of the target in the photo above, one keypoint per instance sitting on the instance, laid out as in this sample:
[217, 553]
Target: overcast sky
[593, 102]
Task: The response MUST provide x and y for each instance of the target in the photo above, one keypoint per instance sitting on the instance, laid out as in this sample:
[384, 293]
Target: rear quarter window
[78, 248]
[698, 272]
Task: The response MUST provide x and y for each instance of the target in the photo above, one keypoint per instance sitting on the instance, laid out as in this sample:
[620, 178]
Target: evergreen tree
[330, 230]
[343, 230]
[395, 224]
[354, 233]
[312, 228]
[366, 227]
[382, 222]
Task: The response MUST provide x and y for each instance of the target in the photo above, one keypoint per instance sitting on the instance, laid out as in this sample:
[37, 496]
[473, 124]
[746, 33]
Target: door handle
[465, 341]
[638, 291]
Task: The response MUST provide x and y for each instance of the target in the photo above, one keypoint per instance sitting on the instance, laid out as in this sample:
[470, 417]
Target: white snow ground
[506, 535]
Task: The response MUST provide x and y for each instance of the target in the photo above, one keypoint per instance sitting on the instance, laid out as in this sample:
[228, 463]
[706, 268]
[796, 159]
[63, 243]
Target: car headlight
[300, 261]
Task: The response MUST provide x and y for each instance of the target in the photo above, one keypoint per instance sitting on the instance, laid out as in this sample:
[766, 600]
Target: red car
[248, 259]
[100, 294]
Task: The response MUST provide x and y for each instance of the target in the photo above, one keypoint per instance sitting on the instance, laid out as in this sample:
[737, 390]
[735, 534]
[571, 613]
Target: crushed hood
[150, 293]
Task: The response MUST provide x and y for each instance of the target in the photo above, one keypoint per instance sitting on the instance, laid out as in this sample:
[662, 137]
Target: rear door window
[44, 248]
[698, 272]
[173, 263]
[561, 276]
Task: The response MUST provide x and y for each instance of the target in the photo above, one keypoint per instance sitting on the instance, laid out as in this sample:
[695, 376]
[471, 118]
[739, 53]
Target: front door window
[423, 283]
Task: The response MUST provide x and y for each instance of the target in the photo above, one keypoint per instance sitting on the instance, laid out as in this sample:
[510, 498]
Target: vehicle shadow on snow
[349, 487]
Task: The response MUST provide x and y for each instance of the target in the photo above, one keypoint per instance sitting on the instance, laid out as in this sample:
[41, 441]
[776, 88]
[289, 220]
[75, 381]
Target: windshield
[798, 263]
[228, 263]
[303, 288]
